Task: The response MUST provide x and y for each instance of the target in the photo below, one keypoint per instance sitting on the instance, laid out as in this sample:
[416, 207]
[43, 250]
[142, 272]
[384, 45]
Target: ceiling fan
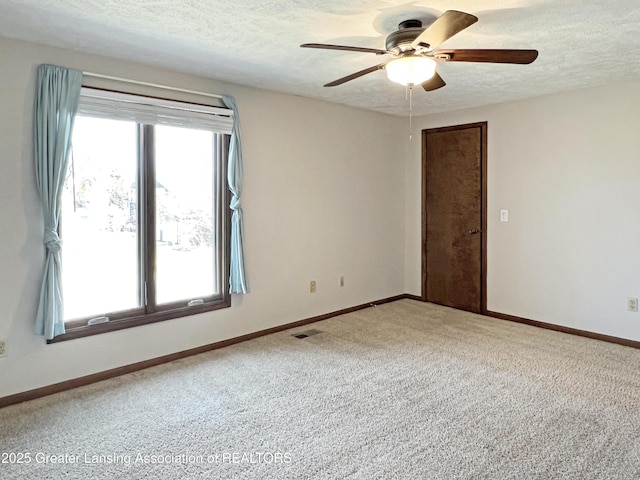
[416, 56]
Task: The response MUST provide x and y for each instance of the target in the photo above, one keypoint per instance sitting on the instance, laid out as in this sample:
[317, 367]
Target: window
[145, 217]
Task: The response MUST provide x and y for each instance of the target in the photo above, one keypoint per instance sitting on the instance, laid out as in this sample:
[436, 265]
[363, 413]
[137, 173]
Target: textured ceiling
[581, 43]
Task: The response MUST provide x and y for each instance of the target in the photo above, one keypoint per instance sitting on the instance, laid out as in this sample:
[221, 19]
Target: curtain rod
[147, 84]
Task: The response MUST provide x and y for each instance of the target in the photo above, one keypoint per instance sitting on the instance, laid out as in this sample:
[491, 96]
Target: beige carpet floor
[401, 391]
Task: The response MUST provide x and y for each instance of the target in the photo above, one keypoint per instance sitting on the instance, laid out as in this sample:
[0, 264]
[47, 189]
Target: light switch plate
[504, 215]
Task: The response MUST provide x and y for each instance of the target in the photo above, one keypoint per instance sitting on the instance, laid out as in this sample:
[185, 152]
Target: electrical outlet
[312, 286]
[3, 348]
[632, 304]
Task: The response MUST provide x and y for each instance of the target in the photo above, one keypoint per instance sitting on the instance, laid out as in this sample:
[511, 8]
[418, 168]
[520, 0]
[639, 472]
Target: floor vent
[306, 333]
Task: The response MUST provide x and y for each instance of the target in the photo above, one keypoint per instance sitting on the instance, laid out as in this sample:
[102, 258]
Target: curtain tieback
[52, 241]
[235, 203]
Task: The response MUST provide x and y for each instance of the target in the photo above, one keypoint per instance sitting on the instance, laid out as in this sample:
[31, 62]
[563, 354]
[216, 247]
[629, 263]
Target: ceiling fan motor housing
[401, 40]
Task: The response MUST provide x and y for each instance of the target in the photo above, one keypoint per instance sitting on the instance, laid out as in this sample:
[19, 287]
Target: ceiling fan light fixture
[410, 70]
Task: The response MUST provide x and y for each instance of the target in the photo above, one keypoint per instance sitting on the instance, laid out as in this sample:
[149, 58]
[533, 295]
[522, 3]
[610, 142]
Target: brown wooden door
[454, 216]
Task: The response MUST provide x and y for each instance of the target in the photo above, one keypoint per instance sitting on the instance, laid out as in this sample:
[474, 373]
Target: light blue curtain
[56, 104]
[237, 278]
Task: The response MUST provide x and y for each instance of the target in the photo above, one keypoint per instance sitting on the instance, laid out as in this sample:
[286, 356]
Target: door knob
[474, 231]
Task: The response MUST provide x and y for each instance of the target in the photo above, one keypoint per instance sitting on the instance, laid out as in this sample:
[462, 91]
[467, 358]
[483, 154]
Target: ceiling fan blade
[433, 83]
[342, 80]
[522, 57]
[326, 46]
[443, 28]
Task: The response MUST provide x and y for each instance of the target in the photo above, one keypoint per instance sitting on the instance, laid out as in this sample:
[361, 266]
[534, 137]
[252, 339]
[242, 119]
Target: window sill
[80, 331]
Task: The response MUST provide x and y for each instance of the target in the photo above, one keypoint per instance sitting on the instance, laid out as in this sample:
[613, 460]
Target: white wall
[567, 167]
[322, 198]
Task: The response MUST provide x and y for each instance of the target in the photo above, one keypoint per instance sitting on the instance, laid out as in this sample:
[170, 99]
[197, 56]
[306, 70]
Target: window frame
[147, 314]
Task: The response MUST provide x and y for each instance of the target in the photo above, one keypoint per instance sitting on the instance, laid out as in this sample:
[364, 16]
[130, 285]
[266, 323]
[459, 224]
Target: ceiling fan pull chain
[410, 90]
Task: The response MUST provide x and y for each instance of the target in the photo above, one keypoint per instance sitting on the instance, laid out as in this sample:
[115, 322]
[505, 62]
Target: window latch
[197, 301]
[97, 320]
